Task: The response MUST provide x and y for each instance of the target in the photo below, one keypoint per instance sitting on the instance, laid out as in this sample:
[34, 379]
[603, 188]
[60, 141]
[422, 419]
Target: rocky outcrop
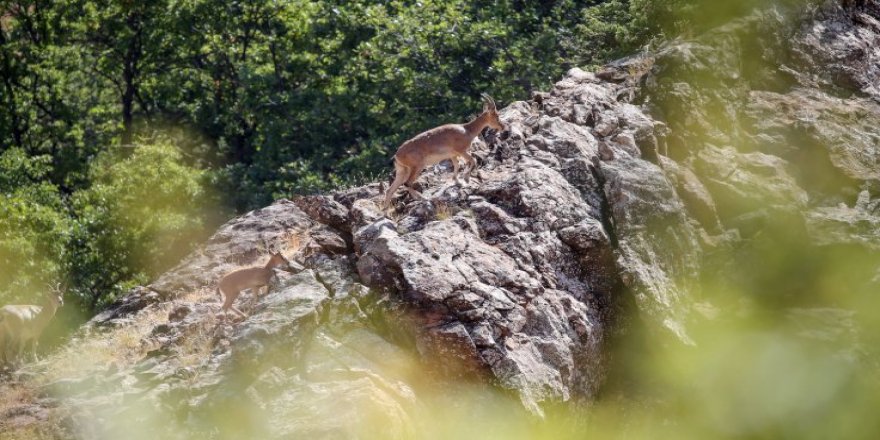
[779, 106]
[601, 208]
[515, 279]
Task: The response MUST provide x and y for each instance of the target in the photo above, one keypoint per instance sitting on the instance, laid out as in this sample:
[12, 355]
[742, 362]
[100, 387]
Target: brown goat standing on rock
[449, 141]
[231, 285]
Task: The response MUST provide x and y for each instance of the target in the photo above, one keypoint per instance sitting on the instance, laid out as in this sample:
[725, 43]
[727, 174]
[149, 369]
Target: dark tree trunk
[127, 102]
[16, 128]
[130, 76]
[243, 149]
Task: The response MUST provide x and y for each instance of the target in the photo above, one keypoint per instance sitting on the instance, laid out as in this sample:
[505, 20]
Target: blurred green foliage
[143, 210]
[33, 225]
[138, 217]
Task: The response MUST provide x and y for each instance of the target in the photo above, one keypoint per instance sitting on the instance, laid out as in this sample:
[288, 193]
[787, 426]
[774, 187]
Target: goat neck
[474, 127]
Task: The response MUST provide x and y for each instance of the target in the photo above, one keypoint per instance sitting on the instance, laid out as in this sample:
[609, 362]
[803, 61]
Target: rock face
[514, 279]
[599, 206]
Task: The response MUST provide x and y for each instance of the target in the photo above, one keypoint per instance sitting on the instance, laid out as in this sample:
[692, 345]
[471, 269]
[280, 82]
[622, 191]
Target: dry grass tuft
[13, 396]
[443, 211]
[123, 346]
[95, 354]
[31, 432]
[16, 403]
[196, 346]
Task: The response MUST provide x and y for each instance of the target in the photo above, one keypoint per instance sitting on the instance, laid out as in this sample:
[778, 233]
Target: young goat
[231, 285]
[449, 141]
[20, 325]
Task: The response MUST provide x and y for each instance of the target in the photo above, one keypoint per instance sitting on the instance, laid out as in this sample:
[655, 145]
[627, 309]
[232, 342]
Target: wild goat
[20, 325]
[449, 141]
[231, 285]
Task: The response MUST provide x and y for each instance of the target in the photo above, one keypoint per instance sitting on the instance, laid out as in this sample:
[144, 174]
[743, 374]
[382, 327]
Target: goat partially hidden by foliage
[23, 324]
[231, 285]
[449, 141]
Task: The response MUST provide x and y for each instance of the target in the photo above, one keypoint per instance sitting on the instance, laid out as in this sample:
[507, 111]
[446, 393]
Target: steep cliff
[611, 203]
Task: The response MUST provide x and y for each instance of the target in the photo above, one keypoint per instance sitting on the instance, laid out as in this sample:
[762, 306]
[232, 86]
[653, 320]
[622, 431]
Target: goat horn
[488, 99]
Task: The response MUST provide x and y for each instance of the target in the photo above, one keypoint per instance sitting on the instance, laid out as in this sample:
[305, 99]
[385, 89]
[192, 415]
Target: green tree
[143, 212]
[34, 229]
[130, 43]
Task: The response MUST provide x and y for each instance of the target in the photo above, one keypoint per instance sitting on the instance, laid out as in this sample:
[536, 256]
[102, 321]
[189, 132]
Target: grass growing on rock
[121, 346]
[26, 396]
